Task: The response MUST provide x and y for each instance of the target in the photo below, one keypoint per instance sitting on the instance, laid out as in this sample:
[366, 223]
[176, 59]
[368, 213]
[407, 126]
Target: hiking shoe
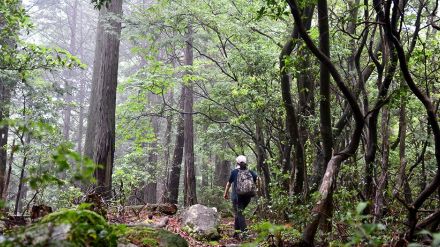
[244, 235]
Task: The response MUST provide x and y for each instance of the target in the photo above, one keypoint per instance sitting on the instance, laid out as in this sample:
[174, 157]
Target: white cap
[241, 159]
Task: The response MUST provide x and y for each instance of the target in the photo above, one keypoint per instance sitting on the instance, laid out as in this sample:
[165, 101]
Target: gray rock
[201, 222]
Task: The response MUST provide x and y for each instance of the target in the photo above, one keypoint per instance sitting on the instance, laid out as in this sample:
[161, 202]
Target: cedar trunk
[189, 192]
[101, 128]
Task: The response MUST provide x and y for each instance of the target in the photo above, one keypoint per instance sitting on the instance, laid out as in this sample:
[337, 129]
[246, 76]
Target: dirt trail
[151, 218]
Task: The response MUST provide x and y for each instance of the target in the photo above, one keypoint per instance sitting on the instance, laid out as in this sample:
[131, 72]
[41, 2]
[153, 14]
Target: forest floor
[173, 225]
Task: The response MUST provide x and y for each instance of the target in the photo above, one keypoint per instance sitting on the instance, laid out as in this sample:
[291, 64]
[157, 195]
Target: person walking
[244, 188]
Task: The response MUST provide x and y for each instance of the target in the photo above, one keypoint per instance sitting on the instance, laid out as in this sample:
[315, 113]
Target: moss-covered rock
[145, 236]
[64, 228]
[74, 228]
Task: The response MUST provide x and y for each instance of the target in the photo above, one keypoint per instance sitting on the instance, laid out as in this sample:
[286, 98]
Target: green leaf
[361, 207]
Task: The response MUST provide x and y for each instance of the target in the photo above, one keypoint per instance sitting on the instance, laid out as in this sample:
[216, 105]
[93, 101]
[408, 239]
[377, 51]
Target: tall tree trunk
[25, 141]
[67, 87]
[306, 94]
[7, 86]
[81, 97]
[8, 176]
[324, 88]
[324, 105]
[173, 181]
[291, 114]
[163, 191]
[402, 180]
[382, 183]
[5, 98]
[189, 192]
[151, 186]
[93, 104]
[261, 159]
[101, 128]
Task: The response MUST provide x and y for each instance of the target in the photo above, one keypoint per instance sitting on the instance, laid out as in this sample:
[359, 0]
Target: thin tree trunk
[402, 181]
[5, 98]
[261, 159]
[324, 105]
[8, 177]
[297, 175]
[378, 206]
[81, 97]
[324, 88]
[7, 86]
[72, 49]
[25, 141]
[151, 187]
[172, 188]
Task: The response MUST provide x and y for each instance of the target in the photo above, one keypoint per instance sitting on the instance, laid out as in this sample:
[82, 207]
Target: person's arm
[228, 185]
[226, 194]
[257, 180]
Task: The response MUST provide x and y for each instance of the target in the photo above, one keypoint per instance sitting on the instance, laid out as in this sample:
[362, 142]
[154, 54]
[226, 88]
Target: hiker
[242, 192]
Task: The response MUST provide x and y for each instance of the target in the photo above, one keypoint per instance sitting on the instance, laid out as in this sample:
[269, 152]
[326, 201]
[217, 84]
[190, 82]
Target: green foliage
[274, 234]
[61, 159]
[88, 228]
[364, 232]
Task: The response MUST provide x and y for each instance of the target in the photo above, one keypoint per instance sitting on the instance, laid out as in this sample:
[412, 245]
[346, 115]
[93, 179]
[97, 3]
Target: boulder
[201, 222]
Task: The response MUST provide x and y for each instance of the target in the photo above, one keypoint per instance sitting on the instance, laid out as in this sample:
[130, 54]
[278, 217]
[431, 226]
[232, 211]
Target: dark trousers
[239, 204]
